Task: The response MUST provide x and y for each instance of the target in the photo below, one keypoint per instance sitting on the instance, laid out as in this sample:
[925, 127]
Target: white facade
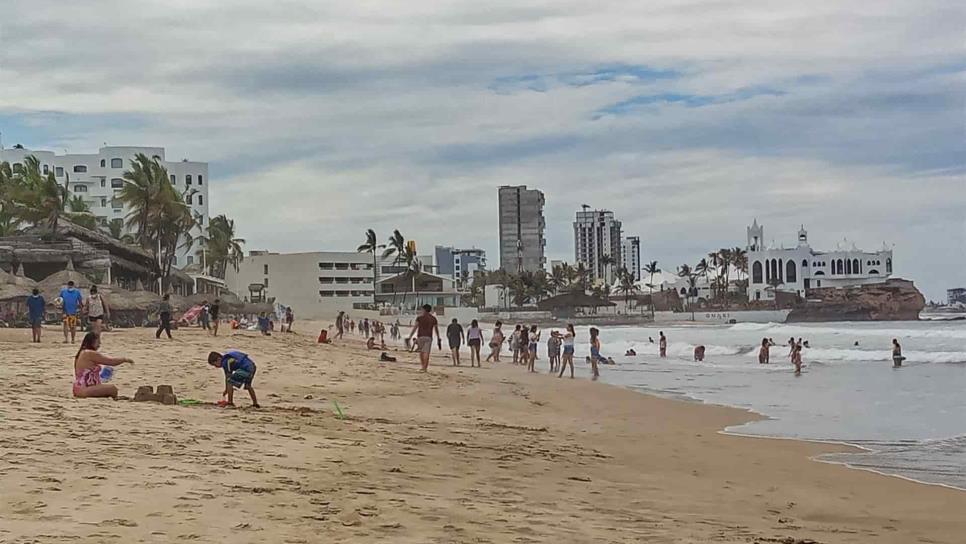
[631, 256]
[597, 234]
[798, 269]
[98, 177]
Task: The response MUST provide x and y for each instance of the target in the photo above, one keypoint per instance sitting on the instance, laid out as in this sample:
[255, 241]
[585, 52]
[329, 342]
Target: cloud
[321, 119]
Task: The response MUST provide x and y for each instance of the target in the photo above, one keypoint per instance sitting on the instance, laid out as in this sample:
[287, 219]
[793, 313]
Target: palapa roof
[53, 282]
[7, 278]
[10, 291]
[121, 299]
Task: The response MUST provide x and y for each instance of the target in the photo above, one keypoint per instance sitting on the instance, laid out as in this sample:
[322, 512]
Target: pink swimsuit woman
[86, 377]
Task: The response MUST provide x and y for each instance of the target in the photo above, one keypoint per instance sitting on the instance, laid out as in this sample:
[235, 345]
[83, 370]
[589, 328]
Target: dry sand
[458, 455]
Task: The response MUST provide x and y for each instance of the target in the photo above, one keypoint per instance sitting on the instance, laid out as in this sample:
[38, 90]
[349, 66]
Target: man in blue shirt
[71, 299]
[239, 372]
[36, 307]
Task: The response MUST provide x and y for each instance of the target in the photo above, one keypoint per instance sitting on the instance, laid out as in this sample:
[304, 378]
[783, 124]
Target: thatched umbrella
[7, 278]
[10, 292]
[52, 284]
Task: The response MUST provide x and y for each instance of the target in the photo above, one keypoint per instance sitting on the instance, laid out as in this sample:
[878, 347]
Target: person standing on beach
[797, 359]
[897, 357]
[553, 350]
[423, 330]
[568, 351]
[531, 348]
[595, 355]
[97, 310]
[36, 308]
[71, 300]
[340, 325]
[515, 344]
[763, 352]
[791, 347]
[215, 311]
[164, 317]
[203, 317]
[454, 334]
[496, 343]
[662, 344]
[525, 345]
[474, 337]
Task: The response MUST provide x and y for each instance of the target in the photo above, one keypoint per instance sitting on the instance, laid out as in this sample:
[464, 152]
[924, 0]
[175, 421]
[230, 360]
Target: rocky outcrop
[892, 300]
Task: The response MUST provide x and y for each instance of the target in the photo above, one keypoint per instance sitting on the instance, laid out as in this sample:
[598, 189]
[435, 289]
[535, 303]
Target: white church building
[798, 269]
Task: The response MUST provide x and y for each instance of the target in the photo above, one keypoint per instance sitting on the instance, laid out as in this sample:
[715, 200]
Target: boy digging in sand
[239, 372]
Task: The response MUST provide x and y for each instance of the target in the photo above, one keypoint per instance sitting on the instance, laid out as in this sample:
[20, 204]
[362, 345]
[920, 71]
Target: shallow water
[910, 420]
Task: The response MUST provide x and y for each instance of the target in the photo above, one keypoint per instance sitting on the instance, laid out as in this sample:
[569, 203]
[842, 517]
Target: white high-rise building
[598, 243]
[98, 177]
[631, 256]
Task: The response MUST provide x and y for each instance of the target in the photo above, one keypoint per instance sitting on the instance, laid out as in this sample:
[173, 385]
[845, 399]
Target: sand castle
[164, 394]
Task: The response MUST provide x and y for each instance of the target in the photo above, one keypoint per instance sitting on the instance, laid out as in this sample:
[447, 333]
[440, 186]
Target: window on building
[201, 180]
[117, 163]
[46, 170]
[103, 182]
[341, 266]
[888, 266]
[174, 179]
[265, 269]
[103, 163]
[804, 263]
[756, 273]
[187, 179]
[80, 169]
[325, 266]
[174, 260]
[187, 199]
[848, 266]
[80, 188]
[201, 200]
[791, 275]
[59, 171]
[191, 259]
[265, 282]
[856, 268]
[103, 202]
[117, 183]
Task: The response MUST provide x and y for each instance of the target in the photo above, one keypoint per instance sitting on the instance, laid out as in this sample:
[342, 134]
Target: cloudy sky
[687, 118]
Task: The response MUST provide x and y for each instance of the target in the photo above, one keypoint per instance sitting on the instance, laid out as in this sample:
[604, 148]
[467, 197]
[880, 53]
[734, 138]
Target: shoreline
[491, 454]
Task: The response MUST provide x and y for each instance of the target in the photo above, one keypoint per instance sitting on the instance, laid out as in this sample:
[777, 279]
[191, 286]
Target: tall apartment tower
[522, 228]
[631, 256]
[597, 240]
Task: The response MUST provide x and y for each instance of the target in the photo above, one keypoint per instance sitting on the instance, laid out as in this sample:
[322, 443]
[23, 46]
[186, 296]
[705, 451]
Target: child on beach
[595, 355]
[515, 344]
[699, 353]
[553, 350]
[534, 342]
[663, 345]
[525, 346]
[239, 371]
[568, 351]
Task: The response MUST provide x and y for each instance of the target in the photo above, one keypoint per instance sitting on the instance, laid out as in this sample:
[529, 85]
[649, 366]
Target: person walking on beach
[474, 337]
[662, 345]
[87, 369]
[763, 352]
[164, 317]
[97, 310]
[496, 342]
[897, 357]
[568, 351]
[423, 330]
[239, 371]
[340, 325]
[36, 308]
[71, 300]
[204, 319]
[595, 355]
[791, 347]
[454, 334]
[215, 311]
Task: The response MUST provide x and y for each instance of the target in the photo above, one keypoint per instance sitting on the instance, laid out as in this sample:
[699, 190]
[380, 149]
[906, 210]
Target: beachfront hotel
[522, 226]
[459, 264]
[318, 284]
[598, 236]
[98, 178]
[798, 269]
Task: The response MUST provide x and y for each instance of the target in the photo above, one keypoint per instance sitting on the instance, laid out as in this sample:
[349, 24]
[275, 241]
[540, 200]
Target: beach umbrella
[52, 284]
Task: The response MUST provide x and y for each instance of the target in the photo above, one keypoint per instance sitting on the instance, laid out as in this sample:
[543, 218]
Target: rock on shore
[892, 300]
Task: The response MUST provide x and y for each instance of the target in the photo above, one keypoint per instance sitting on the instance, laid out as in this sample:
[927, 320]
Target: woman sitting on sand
[87, 369]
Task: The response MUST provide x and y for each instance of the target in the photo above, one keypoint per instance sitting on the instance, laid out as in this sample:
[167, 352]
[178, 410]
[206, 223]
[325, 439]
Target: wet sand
[458, 455]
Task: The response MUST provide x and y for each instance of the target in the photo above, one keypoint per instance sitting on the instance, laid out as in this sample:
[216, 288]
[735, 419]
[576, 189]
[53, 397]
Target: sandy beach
[456, 455]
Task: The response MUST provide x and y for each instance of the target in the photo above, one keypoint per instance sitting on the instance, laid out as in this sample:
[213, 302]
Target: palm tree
[396, 248]
[701, 269]
[606, 261]
[558, 278]
[627, 285]
[143, 186]
[581, 277]
[372, 246]
[224, 248]
[38, 199]
[651, 268]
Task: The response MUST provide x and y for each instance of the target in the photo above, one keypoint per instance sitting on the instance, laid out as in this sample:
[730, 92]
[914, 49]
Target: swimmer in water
[897, 357]
[699, 353]
[763, 352]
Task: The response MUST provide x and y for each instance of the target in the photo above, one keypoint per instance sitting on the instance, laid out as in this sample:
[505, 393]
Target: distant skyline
[687, 119]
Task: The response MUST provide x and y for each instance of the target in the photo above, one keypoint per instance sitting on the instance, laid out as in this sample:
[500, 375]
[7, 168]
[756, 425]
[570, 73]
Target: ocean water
[910, 422]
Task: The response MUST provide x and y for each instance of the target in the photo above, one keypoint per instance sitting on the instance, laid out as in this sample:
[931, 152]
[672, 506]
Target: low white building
[317, 284]
[98, 177]
[798, 269]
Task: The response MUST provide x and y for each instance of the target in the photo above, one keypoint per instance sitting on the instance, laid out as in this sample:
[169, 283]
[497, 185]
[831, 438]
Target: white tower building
[597, 241]
[631, 256]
